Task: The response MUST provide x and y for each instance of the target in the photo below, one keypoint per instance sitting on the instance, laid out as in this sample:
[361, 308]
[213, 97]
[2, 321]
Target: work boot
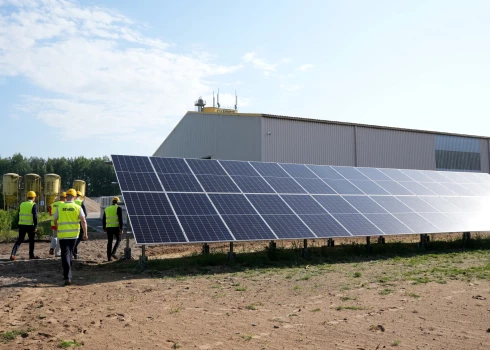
[34, 258]
[13, 257]
[67, 283]
[51, 251]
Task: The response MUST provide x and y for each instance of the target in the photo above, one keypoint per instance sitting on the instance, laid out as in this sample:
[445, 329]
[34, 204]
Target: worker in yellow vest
[67, 219]
[112, 223]
[79, 201]
[27, 224]
[55, 245]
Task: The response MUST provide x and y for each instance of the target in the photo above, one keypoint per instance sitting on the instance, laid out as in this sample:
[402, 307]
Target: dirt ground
[327, 306]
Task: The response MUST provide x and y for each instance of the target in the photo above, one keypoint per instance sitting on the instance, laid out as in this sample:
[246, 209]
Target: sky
[93, 78]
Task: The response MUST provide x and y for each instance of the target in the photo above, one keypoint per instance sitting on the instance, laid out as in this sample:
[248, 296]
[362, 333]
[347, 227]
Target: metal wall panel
[395, 149]
[219, 136]
[485, 166]
[295, 141]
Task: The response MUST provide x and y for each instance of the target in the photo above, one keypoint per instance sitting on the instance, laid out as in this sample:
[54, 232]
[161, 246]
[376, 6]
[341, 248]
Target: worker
[112, 223]
[55, 245]
[67, 219]
[79, 201]
[27, 224]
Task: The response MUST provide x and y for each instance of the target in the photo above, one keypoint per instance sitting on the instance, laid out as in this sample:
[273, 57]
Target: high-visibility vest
[53, 210]
[68, 216]
[111, 218]
[25, 213]
[79, 202]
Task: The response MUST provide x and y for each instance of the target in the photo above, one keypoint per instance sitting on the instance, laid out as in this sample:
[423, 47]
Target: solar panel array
[177, 200]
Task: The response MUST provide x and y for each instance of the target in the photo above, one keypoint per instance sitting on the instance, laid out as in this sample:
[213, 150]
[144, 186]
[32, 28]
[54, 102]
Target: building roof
[368, 125]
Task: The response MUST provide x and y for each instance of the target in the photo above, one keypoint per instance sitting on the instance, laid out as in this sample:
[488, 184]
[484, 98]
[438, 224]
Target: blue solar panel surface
[177, 200]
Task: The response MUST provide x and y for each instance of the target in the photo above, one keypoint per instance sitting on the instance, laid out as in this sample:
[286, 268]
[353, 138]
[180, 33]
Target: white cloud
[262, 64]
[106, 78]
[306, 66]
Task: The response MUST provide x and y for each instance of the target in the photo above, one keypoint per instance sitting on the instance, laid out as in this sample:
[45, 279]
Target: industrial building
[216, 133]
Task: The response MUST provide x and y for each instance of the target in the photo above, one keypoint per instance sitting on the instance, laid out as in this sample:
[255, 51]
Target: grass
[11, 335]
[316, 310]
[357, 274]
[346, 298]
[305, 278]
[413, 295]
[395, 343]
[251, 307]
[175, 346]
[64, 344]
[241, 289]
[386, 291]
[175, 309]
[339, 308]
[247, 337]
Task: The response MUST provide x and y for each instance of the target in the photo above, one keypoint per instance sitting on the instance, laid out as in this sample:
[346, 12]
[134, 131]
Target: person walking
[67, 219]
[79, 200]
[27, 224]
[55, 245]
[112, 223]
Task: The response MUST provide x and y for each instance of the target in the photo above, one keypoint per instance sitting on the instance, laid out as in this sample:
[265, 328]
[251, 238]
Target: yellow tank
[32, 182]
[52, 187]
[79, 185]
[11, 186]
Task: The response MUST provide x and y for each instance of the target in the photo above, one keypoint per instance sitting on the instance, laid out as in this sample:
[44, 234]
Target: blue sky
[94, 78]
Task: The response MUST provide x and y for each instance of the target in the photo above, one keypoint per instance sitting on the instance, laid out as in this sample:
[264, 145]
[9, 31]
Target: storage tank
[52, 187]
[79, 185]
[32, 182]
[10, 191]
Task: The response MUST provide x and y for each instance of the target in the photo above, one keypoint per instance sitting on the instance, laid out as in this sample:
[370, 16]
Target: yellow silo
[52, 187]
[32, 182]
[79, 185]
[11, 193]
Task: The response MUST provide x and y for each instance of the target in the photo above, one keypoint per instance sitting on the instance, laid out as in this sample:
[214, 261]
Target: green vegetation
[395, 343]
[11, 335]
[64, 344]
[316, 310]
[413, 295]
[346, 298]
[251, 307]
[338, 308]
[241, 289]
[357, 274]
[386, 291]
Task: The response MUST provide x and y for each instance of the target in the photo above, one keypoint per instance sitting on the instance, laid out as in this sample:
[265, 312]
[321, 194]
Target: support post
[304, 252]
[381, 240]
[424, 240]
[369, 247]
[466, 238]
[143, 261]
[127, 250]
[231, 254]
[330, 242]
[272, 246]
[205, 249]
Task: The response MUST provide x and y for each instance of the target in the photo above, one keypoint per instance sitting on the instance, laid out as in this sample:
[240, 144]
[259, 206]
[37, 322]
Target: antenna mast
[218, 100]
[213, 100]
[236, 101]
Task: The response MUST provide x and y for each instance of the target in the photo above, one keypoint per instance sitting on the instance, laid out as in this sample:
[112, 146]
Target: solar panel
[176, 200]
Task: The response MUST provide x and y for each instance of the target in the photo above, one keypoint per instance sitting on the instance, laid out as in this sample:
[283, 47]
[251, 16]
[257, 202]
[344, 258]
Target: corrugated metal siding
[395, 149]
[294, 141]
[217, 135]
[485, 166]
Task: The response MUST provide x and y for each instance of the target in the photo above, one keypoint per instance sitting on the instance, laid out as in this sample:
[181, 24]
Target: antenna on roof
[236, 101]
[213, 101]
[218, 99]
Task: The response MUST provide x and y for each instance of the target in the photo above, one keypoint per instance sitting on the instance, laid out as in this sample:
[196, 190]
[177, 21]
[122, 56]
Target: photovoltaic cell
[288, 226]
[180, 183]
[350, 173]
[269, 169]
[374, 174]
[298, 170]
[365, 204]
[417, 188]
[457, 177]
[217, 183]
[416, 222]
[391, 204]
[438, 189]
[395, 174]
[303, 204]
[441, 204]
[238, 168]
[388, 224]
[343, 186]
[416, 175]
[335, 204]
[248, 227]
[252, 184]
[138, 181]
[191, 204]
[132, 163]
[284, 185]
[393, 188]
[441, 221]
[324, 226]
[170, 165]
[460, 190]
[417, 204]
[461, 203]
[232, 204]
[138, 203]
[315, 186]
[157, 229]
[369, 187]
[358, 224]
[437, 176]
[269, 204]
[325, 172]
[205, 167]
[210, 228]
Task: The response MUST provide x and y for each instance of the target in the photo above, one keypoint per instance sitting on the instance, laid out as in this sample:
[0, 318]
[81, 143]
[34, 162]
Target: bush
[5, 221]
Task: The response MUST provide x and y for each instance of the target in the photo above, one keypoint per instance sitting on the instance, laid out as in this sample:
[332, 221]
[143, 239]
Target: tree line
[97, 174]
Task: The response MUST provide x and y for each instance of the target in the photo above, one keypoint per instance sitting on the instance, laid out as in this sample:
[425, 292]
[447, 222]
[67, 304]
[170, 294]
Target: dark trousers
[75, 248]
[111, 233]
[67, 246]
[23, 229]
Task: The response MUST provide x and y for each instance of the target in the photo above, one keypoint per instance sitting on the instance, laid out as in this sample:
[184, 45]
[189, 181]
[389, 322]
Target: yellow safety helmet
[71, 192]
[79, 194]
[115, 199]
[63, 195]
[31, 194]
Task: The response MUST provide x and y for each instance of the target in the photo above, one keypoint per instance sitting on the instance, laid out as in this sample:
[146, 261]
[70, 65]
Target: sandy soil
[313, 307]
